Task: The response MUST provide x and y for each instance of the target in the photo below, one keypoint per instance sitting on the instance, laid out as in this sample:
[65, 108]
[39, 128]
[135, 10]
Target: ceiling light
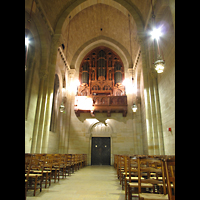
[156, 33]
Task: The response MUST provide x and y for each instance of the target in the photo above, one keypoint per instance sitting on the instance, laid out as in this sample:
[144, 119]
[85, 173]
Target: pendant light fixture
[156, 34]
[159, 65]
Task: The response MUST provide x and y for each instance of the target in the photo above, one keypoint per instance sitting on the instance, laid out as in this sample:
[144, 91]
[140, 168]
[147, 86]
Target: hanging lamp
[159, 64]
[134, 108]
[155, 34]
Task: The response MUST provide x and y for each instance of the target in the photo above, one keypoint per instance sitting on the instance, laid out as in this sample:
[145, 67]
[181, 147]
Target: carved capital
[71, 73]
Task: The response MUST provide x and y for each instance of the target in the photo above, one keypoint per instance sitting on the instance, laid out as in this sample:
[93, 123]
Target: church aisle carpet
[88, 183]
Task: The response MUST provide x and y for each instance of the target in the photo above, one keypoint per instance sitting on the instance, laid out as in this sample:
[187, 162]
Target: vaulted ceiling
[83, 22]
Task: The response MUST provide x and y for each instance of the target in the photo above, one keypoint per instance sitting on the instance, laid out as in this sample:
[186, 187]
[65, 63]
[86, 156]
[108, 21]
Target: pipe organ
[101, 75]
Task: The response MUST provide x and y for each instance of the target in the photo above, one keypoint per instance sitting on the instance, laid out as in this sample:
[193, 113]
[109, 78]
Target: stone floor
[88, 183]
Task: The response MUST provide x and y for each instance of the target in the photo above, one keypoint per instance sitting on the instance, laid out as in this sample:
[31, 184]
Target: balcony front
[100, 104]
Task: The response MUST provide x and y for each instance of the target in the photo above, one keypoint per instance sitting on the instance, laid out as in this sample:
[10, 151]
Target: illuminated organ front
[101, 75]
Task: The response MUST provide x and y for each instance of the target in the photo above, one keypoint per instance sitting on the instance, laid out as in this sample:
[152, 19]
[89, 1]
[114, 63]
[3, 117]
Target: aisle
[89, 183]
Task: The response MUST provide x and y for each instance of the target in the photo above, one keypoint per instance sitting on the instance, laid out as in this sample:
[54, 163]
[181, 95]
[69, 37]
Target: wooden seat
[28, 160]
[115, 161]
[47, 169]
[132, 187]
[36, 174]
[118, 166]
[149, 196]
[68, 160]
[148, 175]
[121, 168]
[56, 167]
[125, 174]
[62, 166]
[154, 167]
[41, 168]
[170, 174]
[84, 160]
[73, 163]
[77, 162]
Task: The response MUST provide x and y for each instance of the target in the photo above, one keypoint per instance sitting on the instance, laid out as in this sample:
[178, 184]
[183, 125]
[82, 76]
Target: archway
[78, 6]
[98, 130]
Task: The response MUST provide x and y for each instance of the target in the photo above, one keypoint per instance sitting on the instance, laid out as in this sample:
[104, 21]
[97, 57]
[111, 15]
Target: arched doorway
[101, 144]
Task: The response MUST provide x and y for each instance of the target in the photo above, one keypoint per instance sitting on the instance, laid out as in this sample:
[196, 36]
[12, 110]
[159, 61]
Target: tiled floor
[88, 183]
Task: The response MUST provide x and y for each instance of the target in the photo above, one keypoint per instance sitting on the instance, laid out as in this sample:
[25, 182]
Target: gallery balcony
[100, 104]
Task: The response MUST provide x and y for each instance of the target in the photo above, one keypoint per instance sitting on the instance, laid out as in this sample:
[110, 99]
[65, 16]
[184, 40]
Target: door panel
[100, 151]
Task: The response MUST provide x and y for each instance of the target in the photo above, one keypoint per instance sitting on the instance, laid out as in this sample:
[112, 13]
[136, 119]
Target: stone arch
[93, 130]
[101, 41]
[129, 6]
[39, 36]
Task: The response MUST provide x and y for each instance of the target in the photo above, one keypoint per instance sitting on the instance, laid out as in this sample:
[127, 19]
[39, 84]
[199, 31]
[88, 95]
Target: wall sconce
[62, 107]
[134, 107]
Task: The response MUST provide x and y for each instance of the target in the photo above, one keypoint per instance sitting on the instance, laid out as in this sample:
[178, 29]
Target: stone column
[158, 116]
[145, 68]
[70, 106]
[153, 117]
[139, 126]
[56, 42]
[29, 73]
[43, 75]
[42, 115]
